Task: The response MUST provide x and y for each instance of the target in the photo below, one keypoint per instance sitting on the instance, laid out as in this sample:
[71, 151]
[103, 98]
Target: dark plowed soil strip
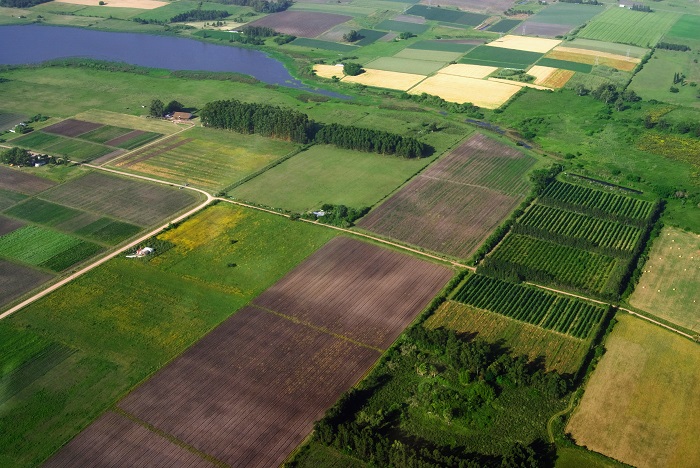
[126, 137]
[249, 392]
[16, 280]
[71, 127]
[8, 225]
[358, 290]
[18, 181]
[301, 23]
[115, 441]
[152, 152]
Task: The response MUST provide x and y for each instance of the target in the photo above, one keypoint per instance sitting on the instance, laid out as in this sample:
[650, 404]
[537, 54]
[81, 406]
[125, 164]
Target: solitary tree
[173, 106]
[352, 36]
[157, 108]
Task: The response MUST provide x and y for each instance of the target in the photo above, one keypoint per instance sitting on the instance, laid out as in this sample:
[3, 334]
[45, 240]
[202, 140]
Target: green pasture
[400, 26]
[599, 75]
[655, 79]
[609, 47]
[166, 12]
[108, 231]
[350, 9]
[325, 174]
[429, 55]
[369, 36]
[500, 57]
[686, 27]
[42, 212]
[442, 46]
[9, 198]
[139, 140]
[127, 318]
[58, 8]
[629, 27]
[110, 12]
[37, 140]
[9, 120]
[447, 15]
[504, 26]
[77, 149]
[567, 13]
[405, 65]
[211, 159]
[325, 45]
[566, 65]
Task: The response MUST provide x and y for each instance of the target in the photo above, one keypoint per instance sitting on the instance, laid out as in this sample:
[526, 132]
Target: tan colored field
[483, 93]
[143, 4]
[541, 73]
[329, 71]
[641, 403]
[468, 71]
[558, 79]
[592, 56]
[521, 84]
[670, 284]
[558, 352]
[530, 44]
[385, 79]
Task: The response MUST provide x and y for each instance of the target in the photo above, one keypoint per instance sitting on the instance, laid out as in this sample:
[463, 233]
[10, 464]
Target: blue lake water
[37, 43]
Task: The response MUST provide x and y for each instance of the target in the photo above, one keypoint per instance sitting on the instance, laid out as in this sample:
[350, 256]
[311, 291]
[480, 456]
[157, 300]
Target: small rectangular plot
[18, 279]
[71, 127]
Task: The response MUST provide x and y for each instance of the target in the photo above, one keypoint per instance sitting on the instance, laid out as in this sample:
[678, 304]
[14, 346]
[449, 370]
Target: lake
[37, 43]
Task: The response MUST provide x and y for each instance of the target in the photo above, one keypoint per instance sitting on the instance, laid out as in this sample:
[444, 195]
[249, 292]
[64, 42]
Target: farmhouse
[181, 116]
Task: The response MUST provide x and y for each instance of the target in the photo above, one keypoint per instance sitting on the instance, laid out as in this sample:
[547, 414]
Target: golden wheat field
[483, 93]
[385, 79]
[529, 44]
[558, 79]
[329, 71]
[520, 84]
[594, 57]
[468, 71]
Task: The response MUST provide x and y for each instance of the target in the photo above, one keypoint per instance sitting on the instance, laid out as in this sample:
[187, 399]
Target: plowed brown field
[301, 23]
[18, 181]
[454, 205]
[71, 127]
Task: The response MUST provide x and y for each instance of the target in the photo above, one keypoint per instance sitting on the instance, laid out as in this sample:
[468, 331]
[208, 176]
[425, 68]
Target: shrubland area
[481, 252]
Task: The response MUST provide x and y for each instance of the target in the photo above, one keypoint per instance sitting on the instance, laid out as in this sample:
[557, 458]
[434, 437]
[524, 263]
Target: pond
[36, 43]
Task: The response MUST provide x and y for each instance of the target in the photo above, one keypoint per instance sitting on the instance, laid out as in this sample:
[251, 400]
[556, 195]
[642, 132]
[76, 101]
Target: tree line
[261, 6]
[671, 46]
[199, 15]
[288, 124]
[21, 3]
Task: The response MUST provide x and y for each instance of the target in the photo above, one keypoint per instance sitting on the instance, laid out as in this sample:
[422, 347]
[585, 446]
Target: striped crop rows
[545, 309]
[598, 201]
[599, 232]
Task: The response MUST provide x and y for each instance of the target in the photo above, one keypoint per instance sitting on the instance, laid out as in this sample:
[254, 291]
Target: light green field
[210, 159]
[429, 55]
[119, 338]
[670, 285]
[629, 27]
[110, 12]
[655, 79]
[406, 65]
[686, 28]
[325, 174]
[639, 404]
[566, 13]
[609, 47]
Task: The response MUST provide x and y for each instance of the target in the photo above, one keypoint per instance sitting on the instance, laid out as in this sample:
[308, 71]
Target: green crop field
[554, 264]
[77, 149]
[71, 256]
[429, 55]
[609, 47]
[108, 230]
[138, 140]
[400, 26]
[120, 337]
[686, 27]
[566, 65]
[639, 403]
[405, 65]
[560, 352]
[504, 26]
[324, 174]
[630, 27]
[9, 120]
[37, 140]
[654, 80]
[104, 133]
[446, 15]
[566, 13]
[110, 12]
[35, 245]
[501, 57]
[442, 46]
[207, 158]
[369, 36]
[325, 45]
[544, 309]
[668, 287]
[8, 199]
[42, 212]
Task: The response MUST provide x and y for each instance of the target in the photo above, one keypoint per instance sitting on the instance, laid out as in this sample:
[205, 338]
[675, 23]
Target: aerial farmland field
[18, 279]
[133, 201]
[325, 174]
[451, 207]
[207, 158]
[20, 181]
[301, 23]
[629, 27]
[638, 404]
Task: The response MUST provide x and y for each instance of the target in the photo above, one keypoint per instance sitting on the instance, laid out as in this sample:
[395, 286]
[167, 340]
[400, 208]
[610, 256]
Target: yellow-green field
[641, 404]
[670, 284]
[558, 351]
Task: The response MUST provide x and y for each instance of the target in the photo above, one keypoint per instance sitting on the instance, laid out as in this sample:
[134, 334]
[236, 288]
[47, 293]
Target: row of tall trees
[288, 124]
[200, 15]
[261, 6]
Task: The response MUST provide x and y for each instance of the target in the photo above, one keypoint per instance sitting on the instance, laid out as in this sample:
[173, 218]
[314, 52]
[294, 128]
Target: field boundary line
[568, 293]
[354, 233]
[169, 437]
[114, 253]
[317, 328]
[470, 185]
[656, 322]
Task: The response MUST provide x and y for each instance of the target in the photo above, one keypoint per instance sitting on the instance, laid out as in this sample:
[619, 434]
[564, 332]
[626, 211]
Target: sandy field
[385, 79]
[530, 44]
[541, 73]
[620, 62]
[329, 71]
[468, 71]
[520, 84]
[482, 93]
[143, 4]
